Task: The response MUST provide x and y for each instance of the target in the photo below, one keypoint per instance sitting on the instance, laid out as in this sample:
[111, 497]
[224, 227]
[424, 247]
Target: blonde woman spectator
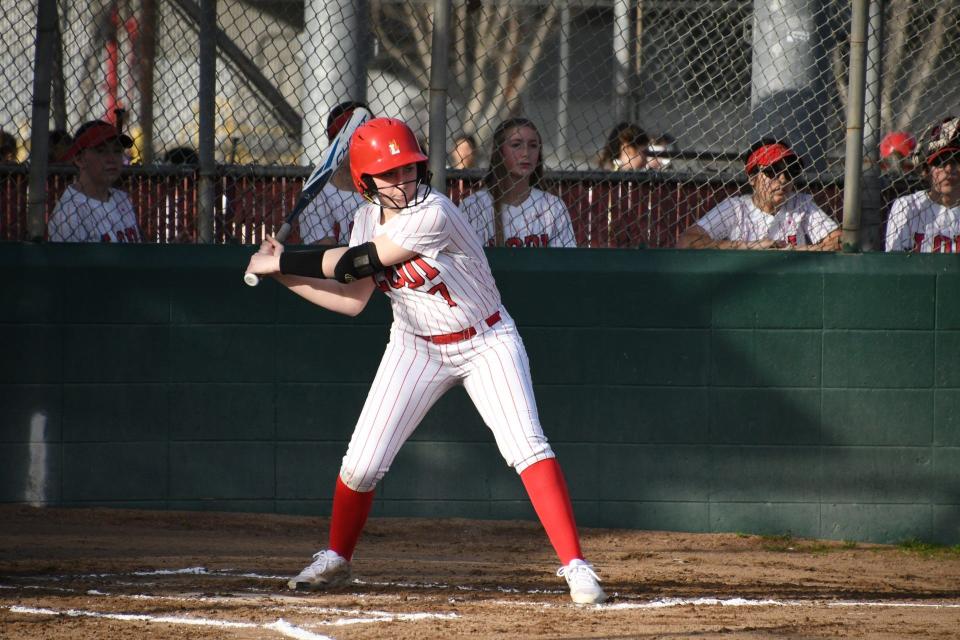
[512, 211]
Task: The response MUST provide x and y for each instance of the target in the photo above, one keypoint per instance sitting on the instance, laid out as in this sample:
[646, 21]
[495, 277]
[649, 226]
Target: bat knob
[251, 279]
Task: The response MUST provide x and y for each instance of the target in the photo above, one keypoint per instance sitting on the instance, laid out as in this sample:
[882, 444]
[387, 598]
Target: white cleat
[584, 583]
[328, 569]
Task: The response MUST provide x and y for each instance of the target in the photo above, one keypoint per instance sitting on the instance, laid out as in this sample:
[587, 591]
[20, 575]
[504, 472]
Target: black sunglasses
[777, 168]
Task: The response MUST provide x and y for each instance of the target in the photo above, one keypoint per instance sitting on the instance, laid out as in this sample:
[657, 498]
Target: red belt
[466, 334]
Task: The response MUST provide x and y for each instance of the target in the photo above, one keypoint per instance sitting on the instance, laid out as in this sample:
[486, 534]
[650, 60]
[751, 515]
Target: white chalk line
[664, 603]
[203, 571]
[280, 626]
[654, 604]
[357, 616]
[295, 604]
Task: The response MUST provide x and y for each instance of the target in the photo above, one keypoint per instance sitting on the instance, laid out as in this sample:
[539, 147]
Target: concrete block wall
[762, 392]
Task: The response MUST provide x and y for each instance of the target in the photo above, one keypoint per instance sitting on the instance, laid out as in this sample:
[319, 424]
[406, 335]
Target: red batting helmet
[380, 145]
[899, 142]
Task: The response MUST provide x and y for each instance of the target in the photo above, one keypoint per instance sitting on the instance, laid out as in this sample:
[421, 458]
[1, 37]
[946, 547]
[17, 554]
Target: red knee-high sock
[551, 500]
[350, 511]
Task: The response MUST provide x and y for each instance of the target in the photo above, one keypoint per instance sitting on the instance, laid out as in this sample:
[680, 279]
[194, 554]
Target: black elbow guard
[358, 262]
[304, 262]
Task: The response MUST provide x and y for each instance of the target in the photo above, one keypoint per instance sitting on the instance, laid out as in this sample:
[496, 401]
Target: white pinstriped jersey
[448, 287]
[798, 222]
[330, 215]
[919, 224]
[80, 218]
[542, 220]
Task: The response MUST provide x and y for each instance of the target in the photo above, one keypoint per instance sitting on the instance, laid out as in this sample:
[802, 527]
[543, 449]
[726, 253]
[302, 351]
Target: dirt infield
[82, 574]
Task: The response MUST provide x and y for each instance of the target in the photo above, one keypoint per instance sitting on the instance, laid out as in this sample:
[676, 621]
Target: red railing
[648, 211]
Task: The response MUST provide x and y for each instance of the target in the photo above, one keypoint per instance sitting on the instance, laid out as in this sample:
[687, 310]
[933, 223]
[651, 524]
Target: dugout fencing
[245, 85]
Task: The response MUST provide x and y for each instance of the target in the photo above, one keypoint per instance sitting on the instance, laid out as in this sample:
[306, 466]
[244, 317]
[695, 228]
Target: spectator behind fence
[91, 210]
[626, 149]
[328, 219]
[464, 153]
[59, 143]
[663, 143]
[928, 221]
[8, 147]
[774, 216]
[896, 150]
[182, 156]
[512, 211]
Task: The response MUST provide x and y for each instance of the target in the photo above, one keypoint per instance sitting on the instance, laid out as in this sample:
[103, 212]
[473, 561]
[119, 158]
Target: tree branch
[928, 60]
[899, 27]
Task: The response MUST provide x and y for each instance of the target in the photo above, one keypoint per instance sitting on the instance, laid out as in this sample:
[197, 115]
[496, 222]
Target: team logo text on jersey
[126, 235]
[515, 242]
[414, 274]
[941, 244]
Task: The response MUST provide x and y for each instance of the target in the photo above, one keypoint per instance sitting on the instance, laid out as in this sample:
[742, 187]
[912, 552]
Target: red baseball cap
[93, 134]
[767, 155]
[952, 150]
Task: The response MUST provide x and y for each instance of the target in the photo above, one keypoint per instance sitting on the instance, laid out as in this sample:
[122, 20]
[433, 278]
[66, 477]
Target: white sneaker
[584, 583]
[328, 569]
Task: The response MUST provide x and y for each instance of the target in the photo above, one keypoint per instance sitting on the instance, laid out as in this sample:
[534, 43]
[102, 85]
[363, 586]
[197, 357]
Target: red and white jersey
[917, 223]
[330, 215]
[542, 220]
[448, 287]
[798, 222]
[80, 218]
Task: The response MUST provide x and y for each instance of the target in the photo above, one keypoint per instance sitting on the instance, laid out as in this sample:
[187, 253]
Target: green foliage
[928, 549]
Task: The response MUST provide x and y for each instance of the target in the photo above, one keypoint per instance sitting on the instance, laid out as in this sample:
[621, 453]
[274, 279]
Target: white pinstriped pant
[414, 373]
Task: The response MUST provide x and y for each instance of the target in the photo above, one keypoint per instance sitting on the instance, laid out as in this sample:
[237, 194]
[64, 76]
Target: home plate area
[82, 574]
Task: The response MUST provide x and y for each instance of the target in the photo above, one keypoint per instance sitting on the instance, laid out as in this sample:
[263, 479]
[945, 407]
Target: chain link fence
[644, 114]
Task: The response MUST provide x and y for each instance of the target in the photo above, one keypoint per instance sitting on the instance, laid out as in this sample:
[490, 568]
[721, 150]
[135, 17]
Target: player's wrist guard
[304, 262]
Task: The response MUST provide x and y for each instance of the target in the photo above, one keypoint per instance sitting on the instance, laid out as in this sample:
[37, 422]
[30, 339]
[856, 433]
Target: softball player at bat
[449, 327]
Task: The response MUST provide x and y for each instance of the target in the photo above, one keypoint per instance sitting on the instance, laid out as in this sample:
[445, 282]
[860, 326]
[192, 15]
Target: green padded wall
[762, 392]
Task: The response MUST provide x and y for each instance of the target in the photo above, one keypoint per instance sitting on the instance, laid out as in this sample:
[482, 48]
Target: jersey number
[406, 275]
[443, 291]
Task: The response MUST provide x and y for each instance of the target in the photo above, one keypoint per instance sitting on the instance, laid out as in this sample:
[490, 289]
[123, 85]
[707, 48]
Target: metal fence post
[207, 100]
[856, 98]
[872, 187]
[335, 43]
[39, 134]
[622, 77]
[439, 82]
[563, 82]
